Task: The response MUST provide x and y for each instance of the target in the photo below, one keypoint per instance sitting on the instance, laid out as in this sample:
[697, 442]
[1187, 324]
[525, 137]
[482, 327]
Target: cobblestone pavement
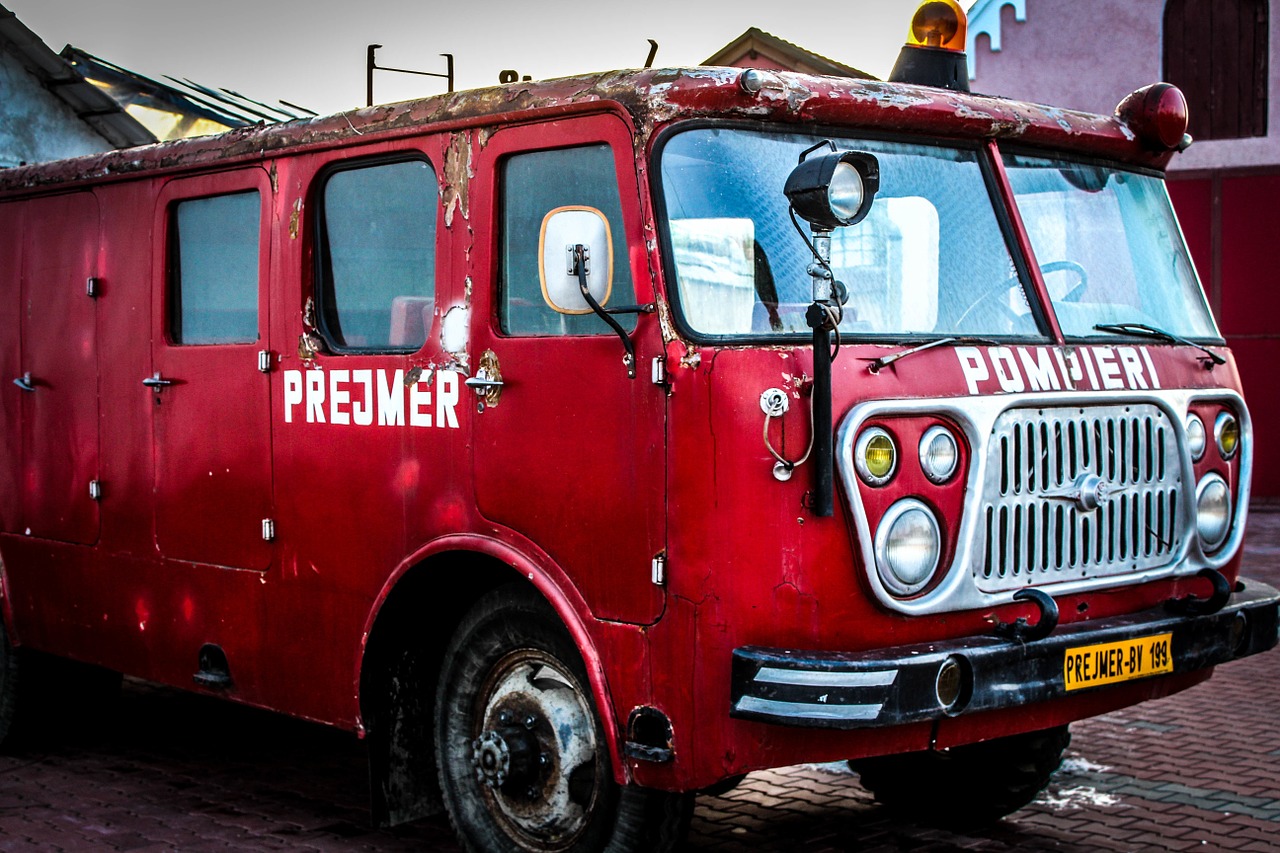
[171, 771]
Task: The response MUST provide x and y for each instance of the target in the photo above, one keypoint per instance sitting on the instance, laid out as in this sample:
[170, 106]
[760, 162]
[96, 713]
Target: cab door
[210, 392]
[569, 451]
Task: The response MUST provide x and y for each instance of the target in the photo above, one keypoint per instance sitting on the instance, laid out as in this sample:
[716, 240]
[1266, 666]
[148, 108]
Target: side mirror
[562, 230]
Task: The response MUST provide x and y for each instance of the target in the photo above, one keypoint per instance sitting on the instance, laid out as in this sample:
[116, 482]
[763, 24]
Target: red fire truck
[586, 444]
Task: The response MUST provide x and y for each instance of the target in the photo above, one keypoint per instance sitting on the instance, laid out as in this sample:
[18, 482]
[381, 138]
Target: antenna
[371, 66]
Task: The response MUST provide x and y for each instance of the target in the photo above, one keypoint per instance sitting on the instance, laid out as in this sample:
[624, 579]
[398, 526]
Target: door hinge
[268, 529]
[659, 371]
[264, 361]
[95, 490]
[659, 576]
[91, 287]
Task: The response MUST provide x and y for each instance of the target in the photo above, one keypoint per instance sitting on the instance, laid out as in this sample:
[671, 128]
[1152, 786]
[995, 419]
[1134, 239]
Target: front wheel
[523, 758]
[968, 785]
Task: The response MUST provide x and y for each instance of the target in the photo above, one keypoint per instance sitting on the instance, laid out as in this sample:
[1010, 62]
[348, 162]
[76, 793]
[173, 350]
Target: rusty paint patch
[691, 358]
[457, 177]
[412, 377]
[295, 220]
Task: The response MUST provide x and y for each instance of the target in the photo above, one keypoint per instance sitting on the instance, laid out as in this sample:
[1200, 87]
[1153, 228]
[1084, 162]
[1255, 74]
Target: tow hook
[1019, 630]
[1192, 606]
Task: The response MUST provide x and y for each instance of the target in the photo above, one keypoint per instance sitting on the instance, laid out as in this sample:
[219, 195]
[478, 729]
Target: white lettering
[420, 404]
[339, 397]
[1070, 374]
[1008, 376]
[315, 397]
[974, 367]
[1040, 373]
[292, 393]
[391, 399]
[1088, 367]
[1132, 368]
[368, 397]
[446, 398]
[1107, 368]
[362, 409]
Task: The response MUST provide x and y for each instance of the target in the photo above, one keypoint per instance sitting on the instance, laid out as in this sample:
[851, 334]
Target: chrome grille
[1074, 493]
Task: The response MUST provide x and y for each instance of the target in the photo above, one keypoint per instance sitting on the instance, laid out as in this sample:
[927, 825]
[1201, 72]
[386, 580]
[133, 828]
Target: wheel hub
[508, 756]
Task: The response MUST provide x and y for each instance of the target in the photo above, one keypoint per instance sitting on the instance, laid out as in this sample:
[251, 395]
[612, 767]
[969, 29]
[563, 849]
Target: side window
[213, 269]
[377, 256]
[533, 185]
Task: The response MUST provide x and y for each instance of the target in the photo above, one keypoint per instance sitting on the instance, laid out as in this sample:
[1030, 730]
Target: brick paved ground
[170, 771]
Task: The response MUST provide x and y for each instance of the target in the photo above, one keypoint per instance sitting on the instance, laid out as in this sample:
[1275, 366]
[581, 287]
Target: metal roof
[97, 109]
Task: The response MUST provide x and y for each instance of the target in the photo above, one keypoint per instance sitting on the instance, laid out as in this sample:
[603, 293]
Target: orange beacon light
[934, 52]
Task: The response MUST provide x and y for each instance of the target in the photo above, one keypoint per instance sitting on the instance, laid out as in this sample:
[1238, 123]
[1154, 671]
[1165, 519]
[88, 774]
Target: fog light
[1195, 436]
[875, 457]
[1239, 632]
[1226, 434]
[908, 546]
[950, 683]
[939, 454]
[1213, 511]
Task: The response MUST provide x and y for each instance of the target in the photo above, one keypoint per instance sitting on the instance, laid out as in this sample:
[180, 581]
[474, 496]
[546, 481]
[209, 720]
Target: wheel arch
[403, 645]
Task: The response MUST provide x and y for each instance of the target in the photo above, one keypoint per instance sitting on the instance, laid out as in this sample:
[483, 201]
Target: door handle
[24, 382]
[157, 382]
[481, 383]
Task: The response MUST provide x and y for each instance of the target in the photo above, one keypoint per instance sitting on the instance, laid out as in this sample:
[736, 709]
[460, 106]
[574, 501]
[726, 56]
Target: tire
[522, 755]
[45, 698]
[9, 683]
[969, 785]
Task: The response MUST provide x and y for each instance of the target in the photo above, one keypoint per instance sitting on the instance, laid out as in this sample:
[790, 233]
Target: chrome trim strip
[807, 710]
[816, 678]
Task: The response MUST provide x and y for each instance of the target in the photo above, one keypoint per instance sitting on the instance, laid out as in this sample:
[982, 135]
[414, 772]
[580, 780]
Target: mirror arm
[580, 269]
[648, 308]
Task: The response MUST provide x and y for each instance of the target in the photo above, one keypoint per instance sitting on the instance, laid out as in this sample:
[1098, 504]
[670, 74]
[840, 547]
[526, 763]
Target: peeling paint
[691, 358]
[455, 332]
[457, 177]
[295, 219]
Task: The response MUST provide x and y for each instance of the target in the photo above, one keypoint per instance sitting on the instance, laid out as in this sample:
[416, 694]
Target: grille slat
[1036, 528]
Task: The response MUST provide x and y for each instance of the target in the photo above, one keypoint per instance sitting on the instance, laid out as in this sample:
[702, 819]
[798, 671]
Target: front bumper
[890, 687]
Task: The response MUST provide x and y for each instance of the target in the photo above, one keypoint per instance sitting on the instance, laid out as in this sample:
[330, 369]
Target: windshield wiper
[878, 364]
[1143, 330]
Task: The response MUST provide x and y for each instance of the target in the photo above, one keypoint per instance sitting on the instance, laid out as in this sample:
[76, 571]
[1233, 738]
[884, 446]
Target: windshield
[930, 259]
[1109, 246]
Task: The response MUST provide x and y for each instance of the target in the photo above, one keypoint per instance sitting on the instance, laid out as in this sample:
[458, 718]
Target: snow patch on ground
[1082, 765]
[1077, 797]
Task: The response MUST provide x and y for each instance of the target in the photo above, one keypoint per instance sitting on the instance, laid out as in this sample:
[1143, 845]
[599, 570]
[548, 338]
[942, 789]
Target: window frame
[193, 188]
[321, 275]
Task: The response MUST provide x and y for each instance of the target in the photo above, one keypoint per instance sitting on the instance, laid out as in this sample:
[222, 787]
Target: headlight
[1213, 511]
[875, 457]
[908, 545]
[1195, 436]
[1226, 434]
[846, 191]
[939, 454]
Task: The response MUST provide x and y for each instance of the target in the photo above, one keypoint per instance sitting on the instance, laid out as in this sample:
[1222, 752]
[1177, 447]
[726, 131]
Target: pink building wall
[1088, 54]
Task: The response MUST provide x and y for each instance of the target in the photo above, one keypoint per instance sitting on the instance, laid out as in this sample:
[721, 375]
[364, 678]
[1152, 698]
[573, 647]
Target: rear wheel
[9, 677]
[523, 759]
[968, 785]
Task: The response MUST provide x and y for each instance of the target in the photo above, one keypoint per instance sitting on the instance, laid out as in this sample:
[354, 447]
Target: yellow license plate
[1109, 663]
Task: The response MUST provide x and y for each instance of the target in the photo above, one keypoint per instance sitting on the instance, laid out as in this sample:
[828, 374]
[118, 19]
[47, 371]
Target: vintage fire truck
[586, 444]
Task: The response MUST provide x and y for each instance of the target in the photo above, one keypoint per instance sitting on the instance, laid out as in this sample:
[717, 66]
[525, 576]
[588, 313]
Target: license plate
[1109, 663]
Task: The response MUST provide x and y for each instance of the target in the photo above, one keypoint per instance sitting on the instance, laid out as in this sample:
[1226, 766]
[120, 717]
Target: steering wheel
[997, 293]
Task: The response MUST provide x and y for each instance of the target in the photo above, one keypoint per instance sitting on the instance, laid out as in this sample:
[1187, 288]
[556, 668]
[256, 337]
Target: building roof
[178, 108]
[97, 109]
[756, 42]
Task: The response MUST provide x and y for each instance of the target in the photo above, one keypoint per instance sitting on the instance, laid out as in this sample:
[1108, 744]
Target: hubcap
[535, 752]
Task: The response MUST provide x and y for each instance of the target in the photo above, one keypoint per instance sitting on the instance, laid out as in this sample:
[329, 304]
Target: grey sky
[313, 53]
